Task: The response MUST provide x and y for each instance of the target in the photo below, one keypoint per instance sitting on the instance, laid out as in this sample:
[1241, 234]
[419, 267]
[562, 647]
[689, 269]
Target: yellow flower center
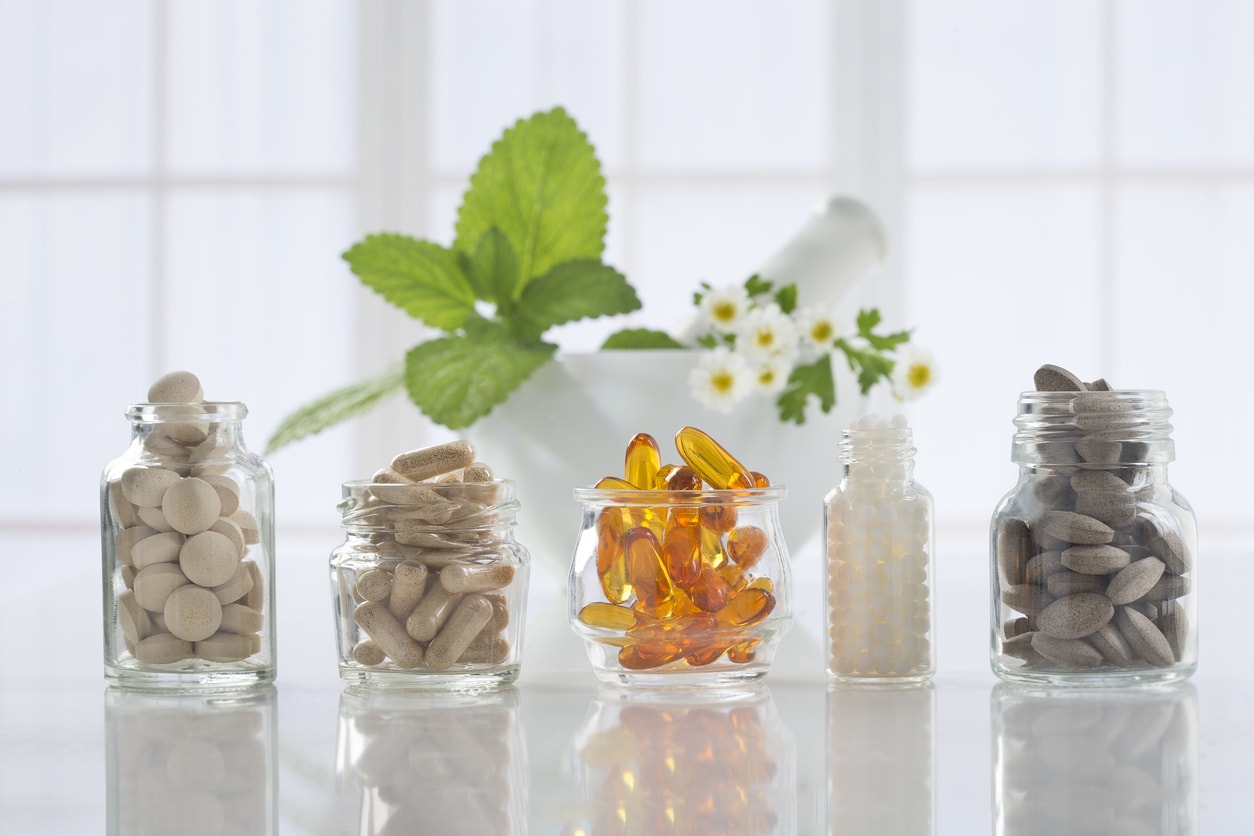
[723, 382]
[919, 376]
[724, 311]
[822, 332]
[764, 338]
[766, 377]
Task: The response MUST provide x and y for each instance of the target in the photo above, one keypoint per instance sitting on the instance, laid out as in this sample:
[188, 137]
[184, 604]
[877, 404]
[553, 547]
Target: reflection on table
[684, 763]
[880, 760]
[430, 763]
[1119, 762]
[196, 765]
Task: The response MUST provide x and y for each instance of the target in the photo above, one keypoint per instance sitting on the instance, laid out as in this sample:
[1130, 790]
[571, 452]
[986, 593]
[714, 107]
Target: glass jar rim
[713, 496]
[180, 411]
[362, 484]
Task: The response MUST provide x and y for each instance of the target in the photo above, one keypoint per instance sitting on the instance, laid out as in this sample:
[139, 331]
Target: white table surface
[554, 754]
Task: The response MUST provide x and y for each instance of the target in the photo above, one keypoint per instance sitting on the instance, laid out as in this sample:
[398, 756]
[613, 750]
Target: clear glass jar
[453, 763]
[878, 530]
[881, 759]
[685, 762]
[187, 534]
[680, 587]
[429, 586]
[1095, 761]
[192, 763]
[1093, 552]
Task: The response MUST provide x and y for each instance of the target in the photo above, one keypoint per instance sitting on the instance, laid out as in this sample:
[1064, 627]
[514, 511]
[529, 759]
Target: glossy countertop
[559, 754]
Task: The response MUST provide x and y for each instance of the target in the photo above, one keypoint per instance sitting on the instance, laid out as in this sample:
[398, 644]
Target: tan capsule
[434, 461]
[368, 653]
[374, 585]
[409, 583]
[476, 577]
[179, 386]
[486, 651]
[471, 615]
[374, 618]
[431, 613]
[388, 476]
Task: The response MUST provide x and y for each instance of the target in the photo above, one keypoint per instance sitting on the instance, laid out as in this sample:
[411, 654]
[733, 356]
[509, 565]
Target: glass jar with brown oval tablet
[1093, 552]
[429, 586]
[680, 587]
[187, 535]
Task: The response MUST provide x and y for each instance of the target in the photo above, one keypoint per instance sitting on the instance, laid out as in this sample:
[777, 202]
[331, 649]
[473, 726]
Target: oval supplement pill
[193, 613]
[471, 615]
[191, 505]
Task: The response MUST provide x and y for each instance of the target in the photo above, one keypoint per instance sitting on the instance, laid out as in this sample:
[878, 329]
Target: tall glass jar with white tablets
[187, 535]
[1093, 552]
[879, 569]
[429, 586]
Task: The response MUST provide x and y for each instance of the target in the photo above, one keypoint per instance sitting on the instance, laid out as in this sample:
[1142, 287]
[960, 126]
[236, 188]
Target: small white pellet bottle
[878, 529]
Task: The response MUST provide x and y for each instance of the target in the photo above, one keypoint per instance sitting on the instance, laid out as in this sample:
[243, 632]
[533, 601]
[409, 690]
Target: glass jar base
[1100, 678]
[198, 680]
[683, 678]
[885, 682]
[427, 680]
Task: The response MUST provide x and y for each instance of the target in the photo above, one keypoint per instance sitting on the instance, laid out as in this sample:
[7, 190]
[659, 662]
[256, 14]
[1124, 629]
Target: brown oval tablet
[1028, 599]
[1075, 528]
[1075, 616]
[1095, 560]
[1014, 550]
[1076, 653]
[1144, 638]
[1051, 378]
[1110, 643]
[1135, 581]
[1068, 582]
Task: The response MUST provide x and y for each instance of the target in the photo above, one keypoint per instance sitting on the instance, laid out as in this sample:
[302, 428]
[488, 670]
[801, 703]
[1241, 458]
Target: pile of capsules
[678, 578]
[432, 587]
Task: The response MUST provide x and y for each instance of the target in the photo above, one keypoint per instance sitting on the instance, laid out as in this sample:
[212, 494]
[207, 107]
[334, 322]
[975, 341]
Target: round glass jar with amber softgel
[429, 585]
[187, 535]
[1093, 552]
[681, 583]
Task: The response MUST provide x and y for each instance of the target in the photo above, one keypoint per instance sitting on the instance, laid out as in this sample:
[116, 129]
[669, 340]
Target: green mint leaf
[335, 407]
[572, 290]
[755, 285]
[786, 298]
[541, 184]
[806, 380]
[493, 268]
[870, 366]
[457, 380]
[698, 295]
[423, 279]
[888, 342]
[867, 320]
[640, 338]
[707, 341]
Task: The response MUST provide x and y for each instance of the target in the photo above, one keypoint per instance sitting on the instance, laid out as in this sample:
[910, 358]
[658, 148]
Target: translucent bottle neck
[878, 455]
[1116, 428]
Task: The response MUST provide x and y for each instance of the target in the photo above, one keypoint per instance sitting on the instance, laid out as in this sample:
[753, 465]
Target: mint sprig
[530, 233]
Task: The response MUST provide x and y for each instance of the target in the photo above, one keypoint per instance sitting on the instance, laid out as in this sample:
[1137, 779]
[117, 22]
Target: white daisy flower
[721, 379]
[771, 376]
[766, 332]
[724, 307]
[913, 373]
[818, 328]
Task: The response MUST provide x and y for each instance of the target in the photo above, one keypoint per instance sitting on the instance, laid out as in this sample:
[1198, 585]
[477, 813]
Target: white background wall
[1068, 182]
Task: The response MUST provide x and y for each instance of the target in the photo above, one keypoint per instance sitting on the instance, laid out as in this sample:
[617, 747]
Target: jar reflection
[660, 763]
[1120, 762]
[191, 764]
[451, 762]
[881, 760]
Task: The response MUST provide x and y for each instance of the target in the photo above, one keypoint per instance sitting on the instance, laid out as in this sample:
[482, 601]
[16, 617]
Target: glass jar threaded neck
[1124, 427]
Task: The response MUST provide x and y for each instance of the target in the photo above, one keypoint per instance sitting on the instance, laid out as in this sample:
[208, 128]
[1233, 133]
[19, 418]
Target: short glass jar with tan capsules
[429, 585]
[1093, 551]
[187, 535]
